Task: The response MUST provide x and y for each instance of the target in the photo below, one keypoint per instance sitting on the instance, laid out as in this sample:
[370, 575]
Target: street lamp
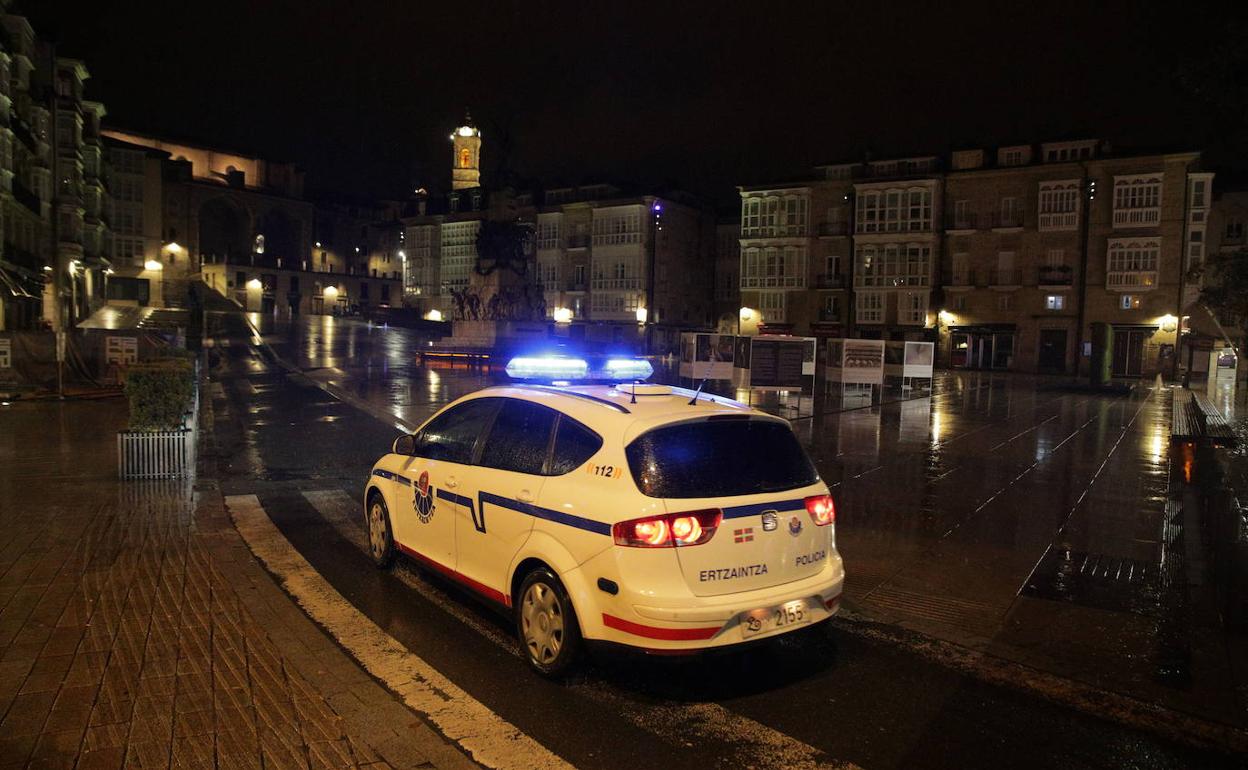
[744, 316]
[562, 315]
[642, 315]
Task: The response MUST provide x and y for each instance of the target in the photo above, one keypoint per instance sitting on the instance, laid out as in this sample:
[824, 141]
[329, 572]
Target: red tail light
[670, 531]
[821, 509]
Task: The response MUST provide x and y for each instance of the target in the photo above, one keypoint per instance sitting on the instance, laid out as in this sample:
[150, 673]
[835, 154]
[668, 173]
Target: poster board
[780, 363]
[909, 360]
[855, 362]
[707, 356]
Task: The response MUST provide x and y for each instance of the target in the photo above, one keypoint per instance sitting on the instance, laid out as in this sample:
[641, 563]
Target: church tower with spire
[466, 159]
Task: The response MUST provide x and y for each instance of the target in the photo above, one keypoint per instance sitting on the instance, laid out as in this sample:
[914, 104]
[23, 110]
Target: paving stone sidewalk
[137, 630]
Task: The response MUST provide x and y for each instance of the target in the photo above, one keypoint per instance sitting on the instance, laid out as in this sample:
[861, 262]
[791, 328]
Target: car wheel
[380, 535]
[547, 624]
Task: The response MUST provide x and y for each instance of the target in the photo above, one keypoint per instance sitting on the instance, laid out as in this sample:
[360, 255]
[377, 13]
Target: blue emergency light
[570, 369]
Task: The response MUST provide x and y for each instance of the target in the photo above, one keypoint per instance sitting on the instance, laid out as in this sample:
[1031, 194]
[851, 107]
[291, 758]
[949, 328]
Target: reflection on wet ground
[1007, 512]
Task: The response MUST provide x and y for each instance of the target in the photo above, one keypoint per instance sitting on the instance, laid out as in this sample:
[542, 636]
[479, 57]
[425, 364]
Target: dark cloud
[705, 94]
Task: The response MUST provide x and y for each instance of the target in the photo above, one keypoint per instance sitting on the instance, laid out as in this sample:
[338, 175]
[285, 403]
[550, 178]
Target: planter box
[156, 454]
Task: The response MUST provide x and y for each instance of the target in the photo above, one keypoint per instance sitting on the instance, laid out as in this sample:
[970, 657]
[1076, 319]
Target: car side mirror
[405, 445]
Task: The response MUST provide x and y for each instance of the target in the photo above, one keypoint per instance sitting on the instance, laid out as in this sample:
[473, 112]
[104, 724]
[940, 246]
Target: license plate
[761, 621]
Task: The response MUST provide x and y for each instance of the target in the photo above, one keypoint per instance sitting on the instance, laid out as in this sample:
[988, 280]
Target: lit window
[1055, 302]
[1130, 302]
[465, 158]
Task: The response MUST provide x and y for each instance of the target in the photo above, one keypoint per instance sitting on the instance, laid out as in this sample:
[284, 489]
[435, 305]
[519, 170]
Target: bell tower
[466, 156]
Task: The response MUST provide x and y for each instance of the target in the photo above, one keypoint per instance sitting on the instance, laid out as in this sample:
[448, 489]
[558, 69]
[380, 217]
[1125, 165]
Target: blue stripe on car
[559, 517]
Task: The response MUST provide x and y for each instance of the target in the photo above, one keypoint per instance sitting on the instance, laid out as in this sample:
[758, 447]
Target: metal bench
[1193, 417]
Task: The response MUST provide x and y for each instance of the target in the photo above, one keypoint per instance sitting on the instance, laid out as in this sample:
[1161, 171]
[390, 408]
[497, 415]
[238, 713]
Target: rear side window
[520, 437]
[574, 444]
[452, 435]
[719, 459]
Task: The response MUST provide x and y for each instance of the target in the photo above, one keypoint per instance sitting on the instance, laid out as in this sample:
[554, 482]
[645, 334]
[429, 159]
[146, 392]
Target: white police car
[642, 515]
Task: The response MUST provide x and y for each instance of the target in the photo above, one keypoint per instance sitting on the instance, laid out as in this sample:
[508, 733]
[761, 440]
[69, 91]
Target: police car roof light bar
[547, 368]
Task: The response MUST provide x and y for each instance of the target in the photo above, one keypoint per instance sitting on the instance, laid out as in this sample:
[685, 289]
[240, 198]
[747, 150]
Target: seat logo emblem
[769, 521]
[422, 498]
[795, 526]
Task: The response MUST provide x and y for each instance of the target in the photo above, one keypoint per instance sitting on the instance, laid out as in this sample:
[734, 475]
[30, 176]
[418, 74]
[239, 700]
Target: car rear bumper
[712, 622]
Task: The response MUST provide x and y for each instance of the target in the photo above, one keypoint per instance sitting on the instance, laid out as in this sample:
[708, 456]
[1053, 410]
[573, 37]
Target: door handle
[451, 483]
[525, 496]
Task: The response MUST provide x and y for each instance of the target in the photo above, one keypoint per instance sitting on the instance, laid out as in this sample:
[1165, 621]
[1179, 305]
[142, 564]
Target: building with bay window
[1007, 258]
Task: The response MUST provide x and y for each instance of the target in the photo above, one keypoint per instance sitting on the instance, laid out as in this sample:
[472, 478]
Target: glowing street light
[433, 315]
[562, 315]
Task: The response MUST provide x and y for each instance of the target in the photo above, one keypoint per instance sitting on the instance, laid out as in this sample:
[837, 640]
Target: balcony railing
[967, 221]
[1055, 275]
[617, 283]
[1137, 217]
[25, 197]
[1059, 220]
[959, 278]
[774, 231]
[1006, 277]
[830, 281]
[833, 228]
[578, 241]
[1005, 219]
[889, 281]
[1131, 280]
[23, 133]
[576, 286]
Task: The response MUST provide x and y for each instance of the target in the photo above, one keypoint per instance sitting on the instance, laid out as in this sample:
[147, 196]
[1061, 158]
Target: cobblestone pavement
[137, 630]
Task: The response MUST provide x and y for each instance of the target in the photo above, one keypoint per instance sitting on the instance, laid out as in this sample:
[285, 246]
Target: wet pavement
[137, 630]
[1008, 515]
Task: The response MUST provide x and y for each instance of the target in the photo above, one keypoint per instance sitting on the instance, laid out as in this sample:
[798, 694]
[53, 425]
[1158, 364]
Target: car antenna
[633, 390]
[698, 392]
[702, 384]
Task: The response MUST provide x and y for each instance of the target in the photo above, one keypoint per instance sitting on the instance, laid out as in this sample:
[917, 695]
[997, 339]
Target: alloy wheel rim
[376, 530]
[542, 623]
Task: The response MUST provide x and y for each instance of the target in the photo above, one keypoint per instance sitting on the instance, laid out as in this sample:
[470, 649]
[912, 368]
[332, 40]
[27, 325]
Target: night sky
[700, 95]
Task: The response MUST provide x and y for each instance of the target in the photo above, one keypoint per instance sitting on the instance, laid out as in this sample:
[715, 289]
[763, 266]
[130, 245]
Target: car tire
[546, 624]
[380, 534]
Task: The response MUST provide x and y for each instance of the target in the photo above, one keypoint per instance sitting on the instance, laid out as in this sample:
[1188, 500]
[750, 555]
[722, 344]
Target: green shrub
[159, 394]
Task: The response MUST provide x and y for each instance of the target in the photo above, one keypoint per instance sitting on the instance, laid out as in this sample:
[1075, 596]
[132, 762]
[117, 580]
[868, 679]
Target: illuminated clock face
[466, 131]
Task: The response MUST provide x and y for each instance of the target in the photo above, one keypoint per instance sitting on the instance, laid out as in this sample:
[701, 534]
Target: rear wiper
[774, 487]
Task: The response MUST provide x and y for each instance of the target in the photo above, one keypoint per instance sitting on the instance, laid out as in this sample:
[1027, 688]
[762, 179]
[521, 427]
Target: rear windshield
[719, 459]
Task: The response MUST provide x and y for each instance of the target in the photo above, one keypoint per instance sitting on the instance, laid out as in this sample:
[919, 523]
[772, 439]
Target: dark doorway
[1052, 351]
[1129, 352]
[973, 350]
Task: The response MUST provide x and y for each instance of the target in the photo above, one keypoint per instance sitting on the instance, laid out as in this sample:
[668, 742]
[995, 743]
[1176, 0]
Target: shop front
[986, 346]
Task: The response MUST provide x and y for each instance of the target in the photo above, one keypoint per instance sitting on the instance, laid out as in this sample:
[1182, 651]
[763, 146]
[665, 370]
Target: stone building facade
[54, 199]
[1011, 259]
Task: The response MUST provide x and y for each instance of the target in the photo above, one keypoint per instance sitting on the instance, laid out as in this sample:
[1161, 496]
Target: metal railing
[830, 281]
[1006, 277]
[959, 278]
[1007, 219]
[968, 221]
[1055, 275]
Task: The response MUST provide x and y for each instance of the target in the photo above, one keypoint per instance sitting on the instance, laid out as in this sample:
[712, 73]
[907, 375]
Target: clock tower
[466, 156]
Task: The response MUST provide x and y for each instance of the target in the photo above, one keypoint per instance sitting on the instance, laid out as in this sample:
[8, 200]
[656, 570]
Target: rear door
[502, 491]
[756, 472]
